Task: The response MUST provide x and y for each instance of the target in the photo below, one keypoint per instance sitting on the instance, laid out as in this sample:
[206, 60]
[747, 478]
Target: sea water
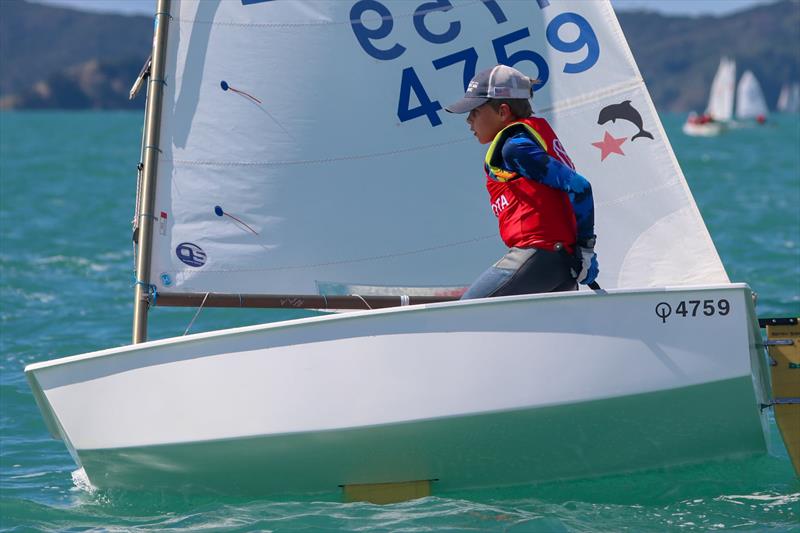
[67, 183]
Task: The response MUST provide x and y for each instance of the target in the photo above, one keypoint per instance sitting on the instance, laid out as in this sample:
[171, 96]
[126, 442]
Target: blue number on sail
[410, 83]
[512, 59]
[365, 35]
[494, 9]
[426, 9]
[468, 56]
[586, 38]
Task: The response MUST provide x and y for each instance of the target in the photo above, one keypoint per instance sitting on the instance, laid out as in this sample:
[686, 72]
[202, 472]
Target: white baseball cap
[498, 82]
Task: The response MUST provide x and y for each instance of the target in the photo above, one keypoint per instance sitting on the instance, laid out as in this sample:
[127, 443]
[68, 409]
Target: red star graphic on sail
[610, 145]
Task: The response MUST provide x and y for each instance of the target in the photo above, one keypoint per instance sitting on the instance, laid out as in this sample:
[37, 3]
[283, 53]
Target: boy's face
[485, 123]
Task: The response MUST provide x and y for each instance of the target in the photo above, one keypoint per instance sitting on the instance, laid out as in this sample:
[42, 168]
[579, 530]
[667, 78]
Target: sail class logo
[611, 113]
[190, 254]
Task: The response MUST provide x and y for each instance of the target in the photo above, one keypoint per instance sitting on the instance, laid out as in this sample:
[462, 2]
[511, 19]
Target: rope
[198, 313]
[135, 221]
[152, 290]
[312, 23]
[360, 298]
[354, 157]
[344, 261]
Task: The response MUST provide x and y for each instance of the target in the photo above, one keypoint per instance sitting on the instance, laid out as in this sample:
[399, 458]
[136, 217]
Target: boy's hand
[589, 266]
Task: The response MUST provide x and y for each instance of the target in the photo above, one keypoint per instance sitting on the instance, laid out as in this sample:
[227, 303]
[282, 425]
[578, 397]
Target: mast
[151, 138]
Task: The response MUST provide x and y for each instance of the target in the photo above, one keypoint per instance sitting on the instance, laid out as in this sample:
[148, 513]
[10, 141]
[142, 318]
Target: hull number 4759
[693, 309]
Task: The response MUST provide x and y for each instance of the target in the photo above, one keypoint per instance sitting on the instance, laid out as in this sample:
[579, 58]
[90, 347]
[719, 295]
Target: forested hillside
[53, 57]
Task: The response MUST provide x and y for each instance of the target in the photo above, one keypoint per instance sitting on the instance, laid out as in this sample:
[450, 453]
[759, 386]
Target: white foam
[81, 481]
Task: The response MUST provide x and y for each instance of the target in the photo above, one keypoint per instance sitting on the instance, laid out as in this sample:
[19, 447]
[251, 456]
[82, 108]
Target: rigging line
[368, 19]
[275, 120]
[264, 24]
[135, 221]
[241, 222]
[152, 290]
[634, 195]
[558, 106]
[227, 87]
[246, 95]
[314, 161]
[595, 96]
[343, 261]
[362, 299]
[198, 312]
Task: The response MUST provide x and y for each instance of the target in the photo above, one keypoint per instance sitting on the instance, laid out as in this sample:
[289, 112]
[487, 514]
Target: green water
[67, 182]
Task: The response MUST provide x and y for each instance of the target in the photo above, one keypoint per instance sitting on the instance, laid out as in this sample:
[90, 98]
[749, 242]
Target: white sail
[720, 100]
[304, 144]
[783, 98]
[750, 101]
[789, 98]
[793, 106]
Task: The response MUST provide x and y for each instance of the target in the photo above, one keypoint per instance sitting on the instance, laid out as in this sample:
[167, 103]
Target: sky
[673, 7]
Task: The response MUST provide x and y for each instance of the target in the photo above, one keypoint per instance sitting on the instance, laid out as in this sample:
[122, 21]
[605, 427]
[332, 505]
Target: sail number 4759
[509, 49]
[693, 308]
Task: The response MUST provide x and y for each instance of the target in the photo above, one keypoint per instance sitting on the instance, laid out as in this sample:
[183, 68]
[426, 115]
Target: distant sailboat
[720, 103]
[750, 102]
[789, 98]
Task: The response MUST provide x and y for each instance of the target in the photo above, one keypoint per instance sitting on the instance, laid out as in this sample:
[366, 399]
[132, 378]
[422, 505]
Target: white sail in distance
[723, 88]
[783, 98]
[750, 102]
[304, 144]
[789, 98]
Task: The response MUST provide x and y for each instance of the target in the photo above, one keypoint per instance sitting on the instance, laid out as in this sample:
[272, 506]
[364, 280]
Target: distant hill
[52, 57]
[678, 56]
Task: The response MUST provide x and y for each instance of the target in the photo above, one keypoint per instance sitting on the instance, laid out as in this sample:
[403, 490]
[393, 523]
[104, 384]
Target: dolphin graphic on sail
[624, 111]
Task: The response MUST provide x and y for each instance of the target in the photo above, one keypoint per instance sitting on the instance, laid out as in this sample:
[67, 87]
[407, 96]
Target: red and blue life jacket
[530, 214]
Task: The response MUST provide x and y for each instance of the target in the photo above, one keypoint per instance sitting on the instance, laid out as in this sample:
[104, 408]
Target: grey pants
[525, 271]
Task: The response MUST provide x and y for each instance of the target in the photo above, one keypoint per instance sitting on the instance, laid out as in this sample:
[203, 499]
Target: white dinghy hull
[490, 392]
[710, 129]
